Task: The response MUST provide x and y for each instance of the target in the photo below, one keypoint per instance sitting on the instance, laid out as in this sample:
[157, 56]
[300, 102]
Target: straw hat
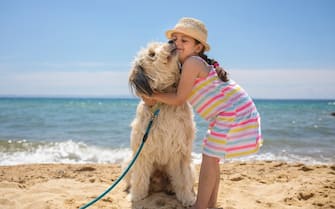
[191, 27]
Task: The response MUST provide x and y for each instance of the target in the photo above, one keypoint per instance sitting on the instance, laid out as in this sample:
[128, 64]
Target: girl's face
[186, 46]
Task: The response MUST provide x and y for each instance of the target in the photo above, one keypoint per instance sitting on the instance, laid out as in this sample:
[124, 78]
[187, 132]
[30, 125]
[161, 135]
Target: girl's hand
[149, 101]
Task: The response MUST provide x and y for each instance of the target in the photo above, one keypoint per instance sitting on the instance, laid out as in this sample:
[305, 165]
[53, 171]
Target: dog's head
[155, 69]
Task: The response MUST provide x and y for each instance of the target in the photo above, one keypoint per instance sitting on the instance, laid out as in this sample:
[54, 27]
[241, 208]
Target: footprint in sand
[87, 168]
[236, 178]
[305, 168]
[305, 196]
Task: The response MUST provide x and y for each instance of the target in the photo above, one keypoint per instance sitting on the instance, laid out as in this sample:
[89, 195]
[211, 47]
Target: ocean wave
[287, 157]
[23, 152]
[14, 152]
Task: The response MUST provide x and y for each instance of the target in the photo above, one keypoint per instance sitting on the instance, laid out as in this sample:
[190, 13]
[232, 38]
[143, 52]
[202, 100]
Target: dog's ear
[152, 54]
[140, 82]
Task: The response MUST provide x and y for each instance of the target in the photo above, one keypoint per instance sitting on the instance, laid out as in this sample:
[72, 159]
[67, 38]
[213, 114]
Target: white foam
[65, 152]
[79, 152]
[289, 158]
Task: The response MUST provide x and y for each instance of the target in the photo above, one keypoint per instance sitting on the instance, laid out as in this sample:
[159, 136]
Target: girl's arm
[190, 71]
[149, 101]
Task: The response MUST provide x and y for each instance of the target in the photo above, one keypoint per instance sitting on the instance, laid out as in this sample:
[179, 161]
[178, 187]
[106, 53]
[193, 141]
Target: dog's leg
[182, 179]
[140, 179]
[127, 177]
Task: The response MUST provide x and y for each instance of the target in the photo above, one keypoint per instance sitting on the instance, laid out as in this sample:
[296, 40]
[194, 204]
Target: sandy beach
[250, 185]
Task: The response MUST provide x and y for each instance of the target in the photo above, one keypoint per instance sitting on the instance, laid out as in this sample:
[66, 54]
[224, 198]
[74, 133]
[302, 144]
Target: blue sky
[274, 49]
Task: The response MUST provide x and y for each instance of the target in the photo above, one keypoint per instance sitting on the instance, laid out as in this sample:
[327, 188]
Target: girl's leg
[207, 190]
[214, 195]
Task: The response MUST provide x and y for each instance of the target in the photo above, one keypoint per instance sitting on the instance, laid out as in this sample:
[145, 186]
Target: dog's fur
[169, 144]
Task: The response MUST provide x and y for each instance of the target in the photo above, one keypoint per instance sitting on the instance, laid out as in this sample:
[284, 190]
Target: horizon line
[131, 97]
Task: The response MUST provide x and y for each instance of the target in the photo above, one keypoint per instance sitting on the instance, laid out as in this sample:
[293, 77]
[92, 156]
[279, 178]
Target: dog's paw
[187, 199]
[128, 197]
[137, 197]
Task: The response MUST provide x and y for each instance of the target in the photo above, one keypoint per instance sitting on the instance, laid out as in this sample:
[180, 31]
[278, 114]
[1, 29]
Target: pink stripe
[211, 124]
[201, 92]
[244, 106]
[214, 112]
[228, 88]
[199, 95]
[213, 133]
[198, 80]
[209, 102]
[224, 124]
[241, 147]
[221, 108]
[224, 114]
[233, 99]
[201, 79]
[247, 112]
[237, 148]
[246, 134]
[213, 146]
[212, 72]
[245, 122]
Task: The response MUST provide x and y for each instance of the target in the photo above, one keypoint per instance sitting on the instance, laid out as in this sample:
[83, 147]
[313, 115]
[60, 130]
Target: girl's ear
[199, 48]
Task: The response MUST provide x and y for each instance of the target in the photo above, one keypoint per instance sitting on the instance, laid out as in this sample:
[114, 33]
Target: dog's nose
[172, 44]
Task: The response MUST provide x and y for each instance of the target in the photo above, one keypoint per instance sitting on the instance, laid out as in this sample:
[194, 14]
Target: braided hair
[222, 74]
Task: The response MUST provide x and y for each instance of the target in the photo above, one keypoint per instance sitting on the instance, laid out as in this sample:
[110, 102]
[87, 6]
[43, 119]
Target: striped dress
[234, 128]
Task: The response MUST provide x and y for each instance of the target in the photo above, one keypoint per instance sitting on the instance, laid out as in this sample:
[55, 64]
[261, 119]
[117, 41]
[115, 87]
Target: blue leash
[129, 166]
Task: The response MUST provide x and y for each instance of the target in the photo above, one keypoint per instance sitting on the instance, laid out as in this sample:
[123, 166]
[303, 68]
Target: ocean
[97, 130]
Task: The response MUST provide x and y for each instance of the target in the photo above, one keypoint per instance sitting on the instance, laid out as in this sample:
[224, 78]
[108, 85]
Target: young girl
[234, 123]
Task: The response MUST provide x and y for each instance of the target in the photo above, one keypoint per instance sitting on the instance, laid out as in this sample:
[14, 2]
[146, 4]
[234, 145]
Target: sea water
[97, 130]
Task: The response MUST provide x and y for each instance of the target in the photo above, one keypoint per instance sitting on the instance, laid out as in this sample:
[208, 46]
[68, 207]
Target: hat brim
[169, 33]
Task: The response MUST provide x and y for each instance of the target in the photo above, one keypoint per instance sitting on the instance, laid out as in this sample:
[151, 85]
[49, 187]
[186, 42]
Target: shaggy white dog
[169, 144]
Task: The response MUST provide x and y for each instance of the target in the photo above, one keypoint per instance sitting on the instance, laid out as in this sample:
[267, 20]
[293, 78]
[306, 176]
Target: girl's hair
[222, 74]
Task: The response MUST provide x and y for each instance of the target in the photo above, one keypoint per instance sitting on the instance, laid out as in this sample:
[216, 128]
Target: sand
[250, 185]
